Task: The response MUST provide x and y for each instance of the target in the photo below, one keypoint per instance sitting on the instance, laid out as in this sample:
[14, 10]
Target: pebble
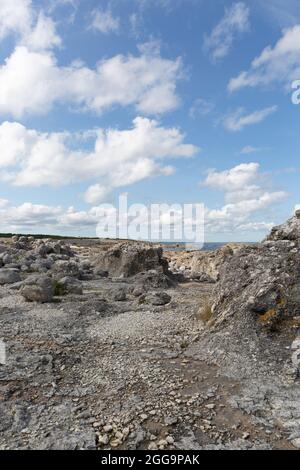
[210, 406]
[115, 443]
[103, 439]
[152, 446]
[296, 443]
[108, 428]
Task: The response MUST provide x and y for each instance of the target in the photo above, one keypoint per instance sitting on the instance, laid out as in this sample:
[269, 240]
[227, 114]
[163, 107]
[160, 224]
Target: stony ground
[90, 372]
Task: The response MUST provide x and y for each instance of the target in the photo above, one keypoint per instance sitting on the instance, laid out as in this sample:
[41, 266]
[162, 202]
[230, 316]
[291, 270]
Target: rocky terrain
[120, 346]
[200, 265]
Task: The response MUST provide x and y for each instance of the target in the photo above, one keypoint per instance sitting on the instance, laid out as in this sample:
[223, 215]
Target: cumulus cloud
[29, 215]
[32, 82]
[26, 217]
[118, 158]
[147, 82]
[235, 22]
[245, 193]
[15, 17]
[248, 198]
[104, 21]
[30, 218]
[278, 64]
[30, 26]
[240, 119]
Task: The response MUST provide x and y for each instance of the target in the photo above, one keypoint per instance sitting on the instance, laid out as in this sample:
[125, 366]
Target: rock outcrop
[201, 265]
[127, 259]
[260, 284]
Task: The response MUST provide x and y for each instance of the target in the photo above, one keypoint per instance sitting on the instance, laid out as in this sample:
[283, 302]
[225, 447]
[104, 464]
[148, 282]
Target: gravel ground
[87, 372]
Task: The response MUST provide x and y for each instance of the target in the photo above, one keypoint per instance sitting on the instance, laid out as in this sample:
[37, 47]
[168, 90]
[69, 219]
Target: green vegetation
[38, 236]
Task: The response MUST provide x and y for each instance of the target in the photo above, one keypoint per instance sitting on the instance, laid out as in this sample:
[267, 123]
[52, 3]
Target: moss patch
[59, 289]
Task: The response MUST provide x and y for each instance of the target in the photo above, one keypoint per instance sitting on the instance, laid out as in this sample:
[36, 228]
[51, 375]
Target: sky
[167, 101]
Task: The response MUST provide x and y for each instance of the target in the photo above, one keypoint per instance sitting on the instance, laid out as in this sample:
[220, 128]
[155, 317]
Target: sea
[181, 246]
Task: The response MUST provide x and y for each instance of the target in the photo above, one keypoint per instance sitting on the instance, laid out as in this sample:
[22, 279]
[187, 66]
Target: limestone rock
[62, 269]
[260, 284]
[100, 272]
[201, 265]
[68, 285]
[38, 289]
[156, 298]
[127, 259]
[119, 294]
[154, 279]
[9, 276]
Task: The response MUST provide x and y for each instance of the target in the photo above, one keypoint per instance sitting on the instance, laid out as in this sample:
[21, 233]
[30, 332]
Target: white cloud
[3, 203]
[201, 107]
[147, 82]
[43, 35]
[37, 218]
[30, 26]
[234, 179]
[250, 149]
[248, 198]
[278, 64]
[235, 22]
[104, 21]
[239, 119]
[15, 17]
[29, 215]
[256, 227]
[119, 157]
[245, 193]
[96, 193]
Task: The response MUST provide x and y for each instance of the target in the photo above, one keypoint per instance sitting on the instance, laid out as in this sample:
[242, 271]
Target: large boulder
[156, 299]
[38, 288]
[9, 276]
[68, 285]
[41, 265]
[260, 284]
[154, 279]
[6, 258]
[63, 269]
[127, 259]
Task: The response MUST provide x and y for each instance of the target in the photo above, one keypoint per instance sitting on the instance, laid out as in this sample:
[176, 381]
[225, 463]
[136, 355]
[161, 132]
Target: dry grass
[205, 313]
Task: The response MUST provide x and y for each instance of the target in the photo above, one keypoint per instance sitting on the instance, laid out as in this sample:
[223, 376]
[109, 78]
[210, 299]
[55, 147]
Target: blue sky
[169, 101]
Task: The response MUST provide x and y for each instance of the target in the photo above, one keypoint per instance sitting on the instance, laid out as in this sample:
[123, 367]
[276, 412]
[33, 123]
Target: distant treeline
[54, 237]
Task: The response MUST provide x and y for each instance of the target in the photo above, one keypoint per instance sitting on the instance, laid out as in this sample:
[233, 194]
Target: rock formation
[127, 259]
[260, 284]
[201, 265]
